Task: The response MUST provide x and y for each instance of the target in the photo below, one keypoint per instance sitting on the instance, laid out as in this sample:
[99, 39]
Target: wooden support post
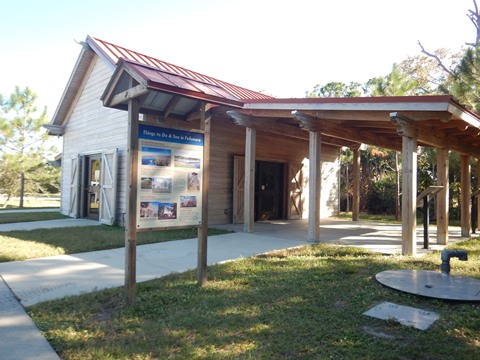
[465, 194]
[249, 203]
[314, 187]
[356, 184]
[314, 127]
[409, 196]
[442, 197]
[205, 122]
[131, 205]
[406, 128]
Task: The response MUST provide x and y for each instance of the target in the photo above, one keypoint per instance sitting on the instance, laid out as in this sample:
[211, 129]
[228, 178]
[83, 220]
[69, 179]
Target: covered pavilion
[399, 123]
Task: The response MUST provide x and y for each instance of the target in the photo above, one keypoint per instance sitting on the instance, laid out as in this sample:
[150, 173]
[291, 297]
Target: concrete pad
[405, 315]
[432, 284]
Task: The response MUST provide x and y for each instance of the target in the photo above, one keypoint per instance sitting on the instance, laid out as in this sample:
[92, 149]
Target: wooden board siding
[228, 141]
[92, 128]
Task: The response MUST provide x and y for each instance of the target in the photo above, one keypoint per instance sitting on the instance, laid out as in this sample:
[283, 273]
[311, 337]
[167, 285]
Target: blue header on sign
[169, 135]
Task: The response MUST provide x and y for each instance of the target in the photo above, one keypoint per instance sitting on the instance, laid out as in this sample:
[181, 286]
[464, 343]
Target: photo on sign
[193, 181]
[187, 159]
[167, 211]
[162, 185]
[149, 209]
[156, 156]
[188, 201]
[146, 183]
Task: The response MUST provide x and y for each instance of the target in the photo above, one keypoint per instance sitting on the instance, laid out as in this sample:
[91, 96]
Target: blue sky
[283, 48]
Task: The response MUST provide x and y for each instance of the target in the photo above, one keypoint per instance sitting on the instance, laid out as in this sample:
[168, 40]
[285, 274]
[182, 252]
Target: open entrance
[269, 190]
[93, 186]
[92, 189]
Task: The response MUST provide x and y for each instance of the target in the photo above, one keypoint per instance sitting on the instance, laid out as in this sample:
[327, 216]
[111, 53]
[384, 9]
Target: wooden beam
[249, 201]
[205, 124]
[132, 208]
[465, 194]
[353, 105]
[432, 137]
[442, 196]
[326, 127]
[125, 96]
[378, 116]
[273, 126]
[172, 103]
[267, 125]
[314, 186]
[405, 125]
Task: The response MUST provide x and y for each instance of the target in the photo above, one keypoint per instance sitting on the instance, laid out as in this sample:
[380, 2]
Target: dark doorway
[92, 190]
[269, 190]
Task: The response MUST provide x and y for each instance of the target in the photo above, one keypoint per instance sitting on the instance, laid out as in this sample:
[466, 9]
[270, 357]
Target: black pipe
[473, 214]
[426, 221]
[447, 254]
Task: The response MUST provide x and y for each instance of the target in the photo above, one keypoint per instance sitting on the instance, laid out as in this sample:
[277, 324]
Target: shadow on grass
[81, 239]
[303, 303]
[10, 218]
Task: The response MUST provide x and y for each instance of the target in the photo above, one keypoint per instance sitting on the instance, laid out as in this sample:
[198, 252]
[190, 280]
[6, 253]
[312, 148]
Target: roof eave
[54, 130]
[73, 85]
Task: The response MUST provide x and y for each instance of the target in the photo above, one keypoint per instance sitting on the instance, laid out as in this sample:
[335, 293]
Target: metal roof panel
[114, 53]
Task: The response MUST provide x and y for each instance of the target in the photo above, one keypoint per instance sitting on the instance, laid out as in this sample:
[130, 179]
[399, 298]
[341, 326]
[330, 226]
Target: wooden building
[268, 158]
[95, 141]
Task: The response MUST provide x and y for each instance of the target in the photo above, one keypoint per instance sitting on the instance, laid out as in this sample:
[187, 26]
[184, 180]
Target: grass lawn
[34, 202]
[305, 303]
[10, 218]
[22, 245]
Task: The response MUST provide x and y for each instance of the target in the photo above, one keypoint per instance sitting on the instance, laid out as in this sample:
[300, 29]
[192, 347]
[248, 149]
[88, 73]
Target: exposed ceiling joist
[327, 127]
[431, 137]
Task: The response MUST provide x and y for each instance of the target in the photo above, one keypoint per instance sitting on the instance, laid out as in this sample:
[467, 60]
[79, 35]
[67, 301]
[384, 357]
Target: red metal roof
[164, 81]
[114, 53]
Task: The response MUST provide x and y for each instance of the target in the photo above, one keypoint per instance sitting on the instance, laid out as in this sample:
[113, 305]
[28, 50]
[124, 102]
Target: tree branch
[474, 17]
[437, 59]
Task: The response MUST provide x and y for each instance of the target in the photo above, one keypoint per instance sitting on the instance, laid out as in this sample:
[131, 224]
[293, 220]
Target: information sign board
[169, 177]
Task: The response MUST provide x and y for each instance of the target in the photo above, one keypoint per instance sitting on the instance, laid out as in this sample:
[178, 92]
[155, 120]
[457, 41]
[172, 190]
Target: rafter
[327, 127]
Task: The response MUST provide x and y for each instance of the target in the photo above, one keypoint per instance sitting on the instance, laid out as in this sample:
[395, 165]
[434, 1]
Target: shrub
[381, 198]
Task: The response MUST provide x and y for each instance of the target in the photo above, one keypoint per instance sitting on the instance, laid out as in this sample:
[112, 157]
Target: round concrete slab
[431, 284]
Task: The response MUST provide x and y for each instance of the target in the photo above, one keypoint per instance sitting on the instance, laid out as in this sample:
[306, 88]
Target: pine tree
[466, 88]
[24, 149]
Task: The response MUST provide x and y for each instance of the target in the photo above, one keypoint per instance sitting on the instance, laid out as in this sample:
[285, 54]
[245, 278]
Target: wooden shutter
[295, 184]
[108, 187]
[238, 189]
[75, 193]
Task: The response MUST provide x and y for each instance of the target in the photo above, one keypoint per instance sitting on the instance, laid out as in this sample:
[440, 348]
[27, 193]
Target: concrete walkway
[37, 280]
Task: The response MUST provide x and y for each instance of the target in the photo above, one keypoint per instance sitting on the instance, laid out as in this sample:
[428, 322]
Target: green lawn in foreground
[22, 245]
[305, 303]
